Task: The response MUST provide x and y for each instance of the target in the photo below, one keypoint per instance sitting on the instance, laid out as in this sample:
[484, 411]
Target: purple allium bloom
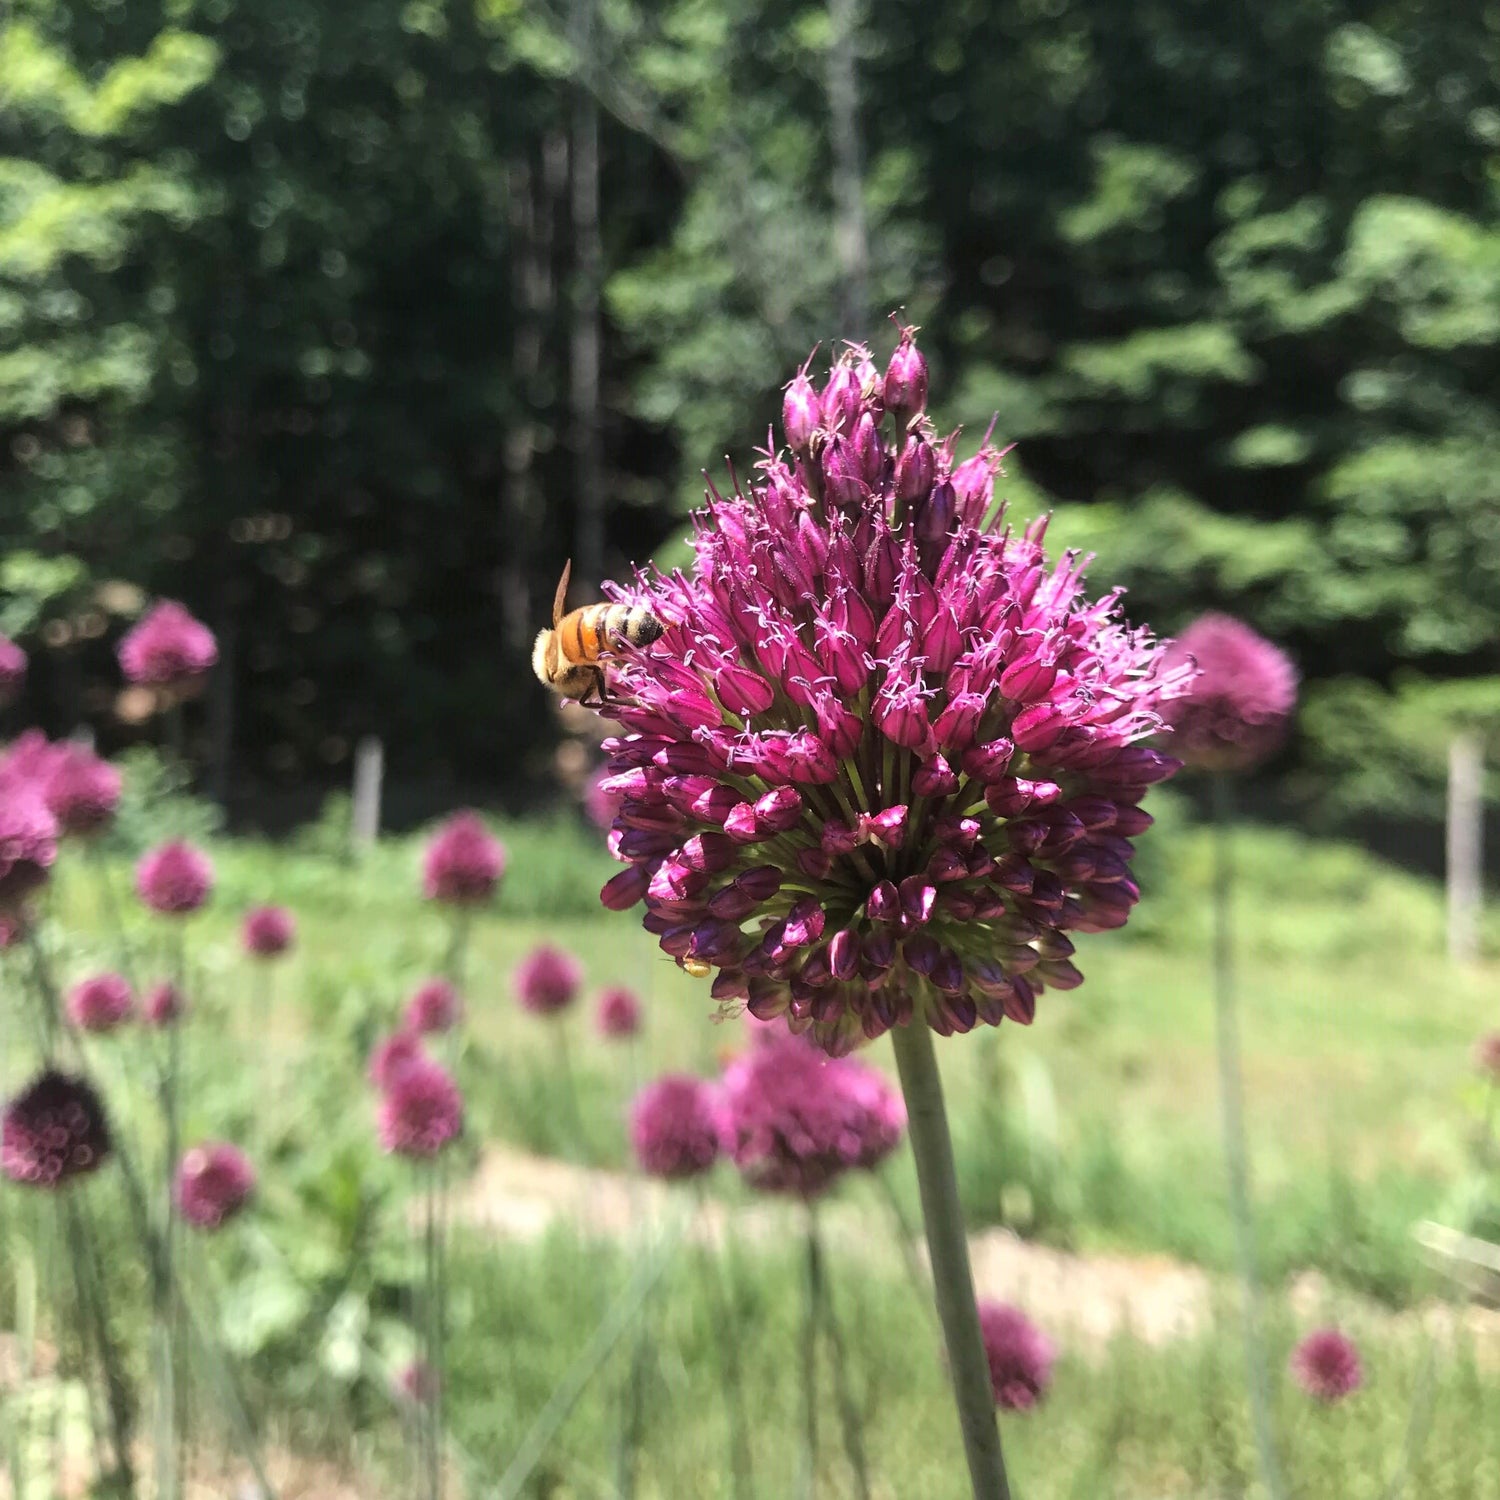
[463, 863]
[164, 1004]
[416, 1382]
[28, 844]
[12, 930]
[546, 980]
[421, 1111]
[100, 1003]
[1020, 1356]
[1327, 1365]
[796, 1120]
[12, 671]
[29, 761]
[886, 756]
[677, 1127]
[174, 879]
[1487, 1055]
[167, 648]
[1236, 711]
[618, 1013]
[434, 1006]
[82, 791]
[214, 1182]
[268, 931]
[53, 1130]
[390, 1056]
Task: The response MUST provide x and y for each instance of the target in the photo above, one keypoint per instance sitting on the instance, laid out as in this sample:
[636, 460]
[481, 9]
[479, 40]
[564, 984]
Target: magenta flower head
[82, 792]
[463, 863]
[1020, 1356]
[392, 1055]
[164, 1004]
[1235, 713]
[268, 931]
[797, 1120]
[53, 1130]
[547, 980]
[886, 756]
[434, 1006]
[677, 1127]
[421, 1111]
[1327, 1365]
[101, 1003]
[618, 1013]
[28, 845]
[214, 1182]
[174, 879]
[168, 648]
[1487, 1055]
[12, 671]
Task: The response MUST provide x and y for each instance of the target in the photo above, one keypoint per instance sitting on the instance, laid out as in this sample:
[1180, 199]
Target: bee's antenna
[562, 591]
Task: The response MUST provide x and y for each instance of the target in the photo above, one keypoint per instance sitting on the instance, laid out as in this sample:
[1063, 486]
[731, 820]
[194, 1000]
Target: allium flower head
[421, 1110]
[28, 845]
[886, 756]
[53, 1130]
[268, 931]
[214, 1182]
[12, 671]
[434, 1006]
[547, 980]
[463, 863]
[163, 1005]
[1020, 1356]
[392, 1055]
[618, 1013]
[796, 1120]
[100, 1003]
[82, 791]
[677, 1127]
[167, 647]
[1236, 711]
[1327, 1365]
[1487, 1055]
[174, 879]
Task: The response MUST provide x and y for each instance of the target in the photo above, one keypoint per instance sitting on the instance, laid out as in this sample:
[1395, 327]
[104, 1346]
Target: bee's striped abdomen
[587, 633]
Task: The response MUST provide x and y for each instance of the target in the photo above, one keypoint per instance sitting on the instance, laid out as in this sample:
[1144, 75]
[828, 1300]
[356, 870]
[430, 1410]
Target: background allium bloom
[167, 647]
[1326, 1365]
[1020, 1356]
[463, 863]
[546, 980]
[174, 879]
[421, 1110]
[434, 1006]
[53, 1130]
[618, 1013]
[677, 1127]
[28, 844]
[163, 1004]
[214, 1182]
[796, 1120]
[1236, 711]
[12, 671]
[1487, 1055]
[100, 1003]
[393, 1054]
[82, 792]
[886, 756]
[268, 931]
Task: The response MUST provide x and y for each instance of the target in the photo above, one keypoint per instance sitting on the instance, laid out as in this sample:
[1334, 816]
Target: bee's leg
[596, 687]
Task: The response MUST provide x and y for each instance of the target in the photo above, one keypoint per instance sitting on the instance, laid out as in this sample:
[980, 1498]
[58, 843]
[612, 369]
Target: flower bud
[905, 386]
[915, 471]
[800, 414]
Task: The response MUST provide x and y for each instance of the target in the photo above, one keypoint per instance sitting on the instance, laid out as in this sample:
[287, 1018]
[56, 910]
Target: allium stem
[810, 1330]
[953, 1283]
[1232, 1115]
[719, 1283]
[848, 1413]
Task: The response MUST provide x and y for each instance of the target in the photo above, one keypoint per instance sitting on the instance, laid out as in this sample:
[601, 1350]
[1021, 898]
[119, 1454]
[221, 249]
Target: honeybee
[567, 658]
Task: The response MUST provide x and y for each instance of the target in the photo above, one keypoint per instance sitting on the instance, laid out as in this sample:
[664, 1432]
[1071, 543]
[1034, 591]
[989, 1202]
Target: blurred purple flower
[434, 1006]
[1327, 1365]
[12, 930]
[599, 802]
[12, 671]
[1236, 711]
[421, 1110]
[268, 931]
[463, 863]
[28, 845]
[416, 1382]
[82, 792]
[885, 756]
[677, 1127]
[546, 980]
[214, 1182]
[100, 1003]
[618, 1013]
[164, 1004]
[392, 1055]
[167, 647]
[53, 1130]
[174, 879]
[1487, 1055]
[1020, 1356]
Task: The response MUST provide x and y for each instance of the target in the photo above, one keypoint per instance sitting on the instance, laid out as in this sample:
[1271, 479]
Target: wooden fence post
[369, 772]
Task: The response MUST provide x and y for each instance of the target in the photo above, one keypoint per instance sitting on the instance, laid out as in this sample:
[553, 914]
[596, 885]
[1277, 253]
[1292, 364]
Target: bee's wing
[562, 591]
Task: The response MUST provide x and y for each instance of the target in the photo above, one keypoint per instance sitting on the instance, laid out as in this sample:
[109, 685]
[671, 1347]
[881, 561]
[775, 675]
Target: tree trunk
[851, 243]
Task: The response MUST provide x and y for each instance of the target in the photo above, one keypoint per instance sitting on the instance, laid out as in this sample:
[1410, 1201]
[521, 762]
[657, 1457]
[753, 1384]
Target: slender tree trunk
[1465, 845]
[588, 438]
[851, 242]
